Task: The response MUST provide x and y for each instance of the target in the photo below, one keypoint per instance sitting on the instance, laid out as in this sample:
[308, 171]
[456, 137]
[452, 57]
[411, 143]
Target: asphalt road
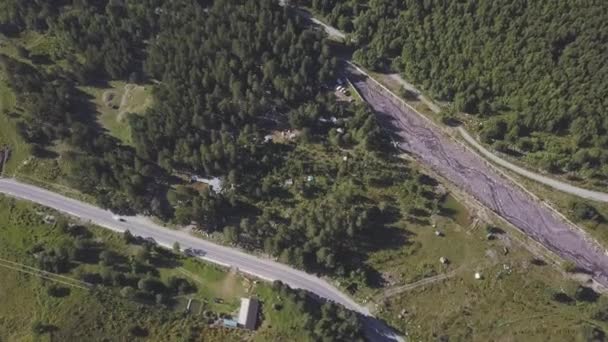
[469, 171]
[230, 257]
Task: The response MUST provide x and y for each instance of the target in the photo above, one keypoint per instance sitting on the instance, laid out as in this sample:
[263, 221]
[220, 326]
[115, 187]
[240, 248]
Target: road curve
[257, 266]
[470, 172]
[558, 185]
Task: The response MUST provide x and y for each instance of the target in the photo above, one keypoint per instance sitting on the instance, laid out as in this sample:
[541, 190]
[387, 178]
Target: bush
[127, 292]
[569, 266]
[91, 278]
[39, 328]
[151, 285]
[108, 258]
[586, 294]
[601, 314]
[180, 285]
[57, 291]
[584, 211]
[563, 298]
[137, 331]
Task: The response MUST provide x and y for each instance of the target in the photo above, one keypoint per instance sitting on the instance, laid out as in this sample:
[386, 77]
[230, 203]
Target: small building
[248, 314]
[214, 183]
[230, 323]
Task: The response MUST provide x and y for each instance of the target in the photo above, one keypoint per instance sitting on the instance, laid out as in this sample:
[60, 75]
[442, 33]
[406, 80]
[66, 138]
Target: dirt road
[470, 172]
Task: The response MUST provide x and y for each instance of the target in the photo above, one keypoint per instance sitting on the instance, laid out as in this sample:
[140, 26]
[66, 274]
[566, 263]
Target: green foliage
[329, 322]
[56, 304]
[540, 62]
[569, 266]
[243, 65]
[584, 211]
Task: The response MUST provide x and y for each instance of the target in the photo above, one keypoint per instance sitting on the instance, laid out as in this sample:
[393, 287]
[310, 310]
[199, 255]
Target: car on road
[194, 252]
[118, 218]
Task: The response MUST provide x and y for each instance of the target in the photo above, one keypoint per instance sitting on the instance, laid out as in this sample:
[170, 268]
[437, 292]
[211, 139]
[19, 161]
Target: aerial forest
[533, 71]
[242, 92]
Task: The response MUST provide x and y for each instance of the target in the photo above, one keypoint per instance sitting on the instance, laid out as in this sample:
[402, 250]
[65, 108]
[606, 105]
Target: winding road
[469, 171]
[257, 266]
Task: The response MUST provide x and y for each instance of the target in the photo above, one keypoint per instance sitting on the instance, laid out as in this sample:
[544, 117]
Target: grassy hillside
[521, 295]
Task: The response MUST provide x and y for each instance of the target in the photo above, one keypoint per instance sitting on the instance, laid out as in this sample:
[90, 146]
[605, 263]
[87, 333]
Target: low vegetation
[65, 280]
[430, 292]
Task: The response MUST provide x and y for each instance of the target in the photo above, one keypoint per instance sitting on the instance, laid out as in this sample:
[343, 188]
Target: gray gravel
[468, 171]
[555, 184]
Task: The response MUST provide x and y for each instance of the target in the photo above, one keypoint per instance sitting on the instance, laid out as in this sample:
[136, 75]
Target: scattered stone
[477, 275]
[443, 260]
[49, 219]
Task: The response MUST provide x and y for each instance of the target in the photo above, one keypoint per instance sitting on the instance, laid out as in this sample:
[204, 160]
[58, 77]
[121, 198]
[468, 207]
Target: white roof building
[215, 183]
[248, 314]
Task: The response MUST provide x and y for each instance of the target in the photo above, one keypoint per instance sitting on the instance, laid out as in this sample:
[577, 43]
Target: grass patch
[520, 305]
[518, 297]
[102, 312]
[115, 102]
[455, 210]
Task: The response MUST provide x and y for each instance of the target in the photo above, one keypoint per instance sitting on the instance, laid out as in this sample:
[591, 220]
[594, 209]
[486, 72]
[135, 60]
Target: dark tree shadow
[586, 294]
[42, 152]
[538, 262]
[42, 59]
[562, 298]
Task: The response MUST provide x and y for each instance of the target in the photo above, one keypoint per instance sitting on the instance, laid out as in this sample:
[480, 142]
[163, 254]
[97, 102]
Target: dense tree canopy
[226, 71]
[537, 65]
[228, 74]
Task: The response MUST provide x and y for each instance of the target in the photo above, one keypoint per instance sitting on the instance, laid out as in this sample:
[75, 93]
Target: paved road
[257, 266]
[470, 172]
[562, 186]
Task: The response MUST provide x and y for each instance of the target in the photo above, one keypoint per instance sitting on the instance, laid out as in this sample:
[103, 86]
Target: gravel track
[467, 170]
[554, 183]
